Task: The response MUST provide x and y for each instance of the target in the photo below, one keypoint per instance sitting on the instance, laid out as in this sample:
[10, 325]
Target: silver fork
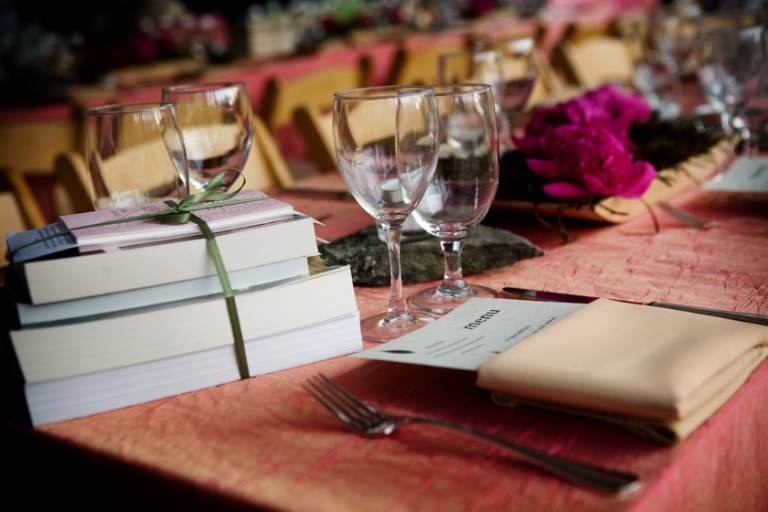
[698, 222]
[366, 419]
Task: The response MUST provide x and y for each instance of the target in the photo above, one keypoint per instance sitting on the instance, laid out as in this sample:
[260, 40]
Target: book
[91, 307]
[92, 393]
[170, 330]
[67, 276]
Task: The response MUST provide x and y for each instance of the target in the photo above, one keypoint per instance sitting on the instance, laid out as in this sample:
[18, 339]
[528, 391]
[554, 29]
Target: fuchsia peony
[581, 147]
[587, 161]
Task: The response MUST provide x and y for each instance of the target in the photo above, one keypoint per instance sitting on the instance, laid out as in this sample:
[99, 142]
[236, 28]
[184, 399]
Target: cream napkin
[645, 367]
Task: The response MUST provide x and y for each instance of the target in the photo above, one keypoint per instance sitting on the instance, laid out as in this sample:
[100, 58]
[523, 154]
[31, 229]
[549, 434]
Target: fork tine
[360, 418]
[350, 398]
[683, 215]
[319, 395]
[352, 406]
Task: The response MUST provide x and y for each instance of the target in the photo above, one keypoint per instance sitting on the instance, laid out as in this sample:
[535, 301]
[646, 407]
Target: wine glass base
[429, 300]
[374, 328]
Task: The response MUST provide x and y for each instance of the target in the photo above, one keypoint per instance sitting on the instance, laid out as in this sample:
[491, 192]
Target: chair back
[265, 168]
[314, 89]
[419, 66]
[594, 60]
[19, 210]
[316, 129]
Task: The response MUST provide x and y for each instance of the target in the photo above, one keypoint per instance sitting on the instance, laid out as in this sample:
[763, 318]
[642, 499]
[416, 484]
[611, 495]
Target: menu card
[473, 333]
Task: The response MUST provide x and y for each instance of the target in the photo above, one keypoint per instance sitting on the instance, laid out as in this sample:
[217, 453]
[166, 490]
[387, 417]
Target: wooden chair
[314, 89]
[71, 172]
[19, 210]
[590, 61]
[30, 147]
[264, 169]
[419, 66]
[316, 129]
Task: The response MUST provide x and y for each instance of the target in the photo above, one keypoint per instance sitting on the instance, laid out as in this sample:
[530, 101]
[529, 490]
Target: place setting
[510, 293]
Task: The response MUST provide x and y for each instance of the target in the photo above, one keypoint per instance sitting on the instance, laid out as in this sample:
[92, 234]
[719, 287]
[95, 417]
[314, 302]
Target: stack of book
[131, 312]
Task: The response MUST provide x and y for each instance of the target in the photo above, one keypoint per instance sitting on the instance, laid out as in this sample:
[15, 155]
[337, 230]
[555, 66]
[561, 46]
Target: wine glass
[730, 65]
[462, 189]
[462, 67]
[386, 140]
[134, 153]
[217, 124]
[520, 70]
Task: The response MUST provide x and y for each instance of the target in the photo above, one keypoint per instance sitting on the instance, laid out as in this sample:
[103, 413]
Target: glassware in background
[755, 116]
[731, 61]
[387, 166]
[675, 36]
[462, 188]
[668, 53]
[482, 67]
[656, 77]
[217, 124]
[134, 154]
[519, 70]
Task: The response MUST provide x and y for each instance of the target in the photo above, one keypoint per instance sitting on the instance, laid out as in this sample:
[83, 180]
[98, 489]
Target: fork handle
[575, 472]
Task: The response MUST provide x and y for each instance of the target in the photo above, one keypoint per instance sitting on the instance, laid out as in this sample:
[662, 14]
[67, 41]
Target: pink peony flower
[606, 107]
[589, 160]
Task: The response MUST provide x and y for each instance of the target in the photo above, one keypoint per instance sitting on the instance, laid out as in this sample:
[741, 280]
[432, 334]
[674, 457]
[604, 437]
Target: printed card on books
[218, 218]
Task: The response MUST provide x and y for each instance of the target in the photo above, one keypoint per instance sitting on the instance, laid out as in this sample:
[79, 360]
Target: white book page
[472, 334]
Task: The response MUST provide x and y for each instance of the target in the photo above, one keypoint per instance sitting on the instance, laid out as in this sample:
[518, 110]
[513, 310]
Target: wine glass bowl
[386, 141]
[216, 120]
[462, 188]
[731, 60]
[519, 72]
[134, 154]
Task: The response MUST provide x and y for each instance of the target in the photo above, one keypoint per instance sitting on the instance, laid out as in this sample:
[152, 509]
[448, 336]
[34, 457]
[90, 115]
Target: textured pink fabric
[265, 441]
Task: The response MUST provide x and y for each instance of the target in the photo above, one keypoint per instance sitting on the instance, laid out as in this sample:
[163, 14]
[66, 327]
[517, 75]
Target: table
[265, 444]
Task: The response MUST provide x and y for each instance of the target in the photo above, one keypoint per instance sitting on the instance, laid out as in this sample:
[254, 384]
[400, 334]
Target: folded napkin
[651, 369]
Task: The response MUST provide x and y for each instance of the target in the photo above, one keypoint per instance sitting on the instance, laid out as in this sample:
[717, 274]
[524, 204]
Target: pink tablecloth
[263, 443]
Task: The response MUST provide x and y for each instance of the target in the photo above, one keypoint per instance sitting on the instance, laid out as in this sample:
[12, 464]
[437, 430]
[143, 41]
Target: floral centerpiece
[605, 143]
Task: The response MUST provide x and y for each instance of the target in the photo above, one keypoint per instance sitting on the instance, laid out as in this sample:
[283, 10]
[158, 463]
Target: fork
[366, 419]
[698, 222]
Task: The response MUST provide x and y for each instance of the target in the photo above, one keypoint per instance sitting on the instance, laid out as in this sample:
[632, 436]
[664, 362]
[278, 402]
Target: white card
[745, 175]
[472, 334]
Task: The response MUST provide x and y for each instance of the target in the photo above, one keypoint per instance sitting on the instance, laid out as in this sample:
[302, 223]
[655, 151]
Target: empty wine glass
[386, 141]
[730, 65]
[481, 66]
[134, 153]
[462, 188]
[477, 67]
[217, 123]
[520, 70]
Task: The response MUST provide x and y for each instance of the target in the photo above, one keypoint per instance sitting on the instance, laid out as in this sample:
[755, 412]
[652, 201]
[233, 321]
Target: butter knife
[521, 293]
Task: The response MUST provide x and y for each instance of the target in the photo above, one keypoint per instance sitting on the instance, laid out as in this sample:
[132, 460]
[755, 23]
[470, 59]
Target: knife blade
[525, 294]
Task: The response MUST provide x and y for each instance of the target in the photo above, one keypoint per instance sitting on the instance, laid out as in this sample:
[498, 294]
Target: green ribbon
[182, 212]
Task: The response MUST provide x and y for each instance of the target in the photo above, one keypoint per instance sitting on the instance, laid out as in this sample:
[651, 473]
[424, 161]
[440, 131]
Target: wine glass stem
[398, 307]
[453, 278]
